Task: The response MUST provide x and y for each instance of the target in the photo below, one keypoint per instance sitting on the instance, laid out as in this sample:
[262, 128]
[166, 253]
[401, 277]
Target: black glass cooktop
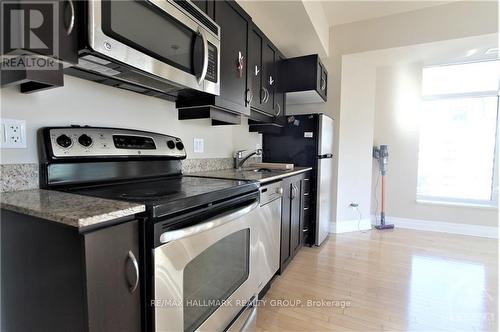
[163, 196]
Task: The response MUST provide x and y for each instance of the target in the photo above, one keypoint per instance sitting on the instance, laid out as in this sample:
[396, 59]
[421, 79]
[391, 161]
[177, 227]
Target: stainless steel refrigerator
[307, 141]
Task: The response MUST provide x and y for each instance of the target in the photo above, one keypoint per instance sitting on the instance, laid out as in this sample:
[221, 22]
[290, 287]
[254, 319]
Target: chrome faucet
[239, 160]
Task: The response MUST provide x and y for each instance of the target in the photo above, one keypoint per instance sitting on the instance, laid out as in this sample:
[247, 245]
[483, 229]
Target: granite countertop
[65, 208]
[250, 174]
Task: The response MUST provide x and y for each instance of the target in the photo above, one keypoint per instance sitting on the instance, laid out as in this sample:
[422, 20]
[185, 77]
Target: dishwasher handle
[214, 222]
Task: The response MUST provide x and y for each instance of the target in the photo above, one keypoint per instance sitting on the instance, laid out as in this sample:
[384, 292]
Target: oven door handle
[205, 56]
[218, 221]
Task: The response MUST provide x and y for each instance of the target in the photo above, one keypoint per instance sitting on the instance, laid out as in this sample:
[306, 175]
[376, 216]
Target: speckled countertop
[65, 208]
[250, 174]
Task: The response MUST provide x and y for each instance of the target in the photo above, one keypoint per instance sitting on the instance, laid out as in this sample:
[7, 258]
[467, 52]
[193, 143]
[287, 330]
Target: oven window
[150, 30]
[213, 276]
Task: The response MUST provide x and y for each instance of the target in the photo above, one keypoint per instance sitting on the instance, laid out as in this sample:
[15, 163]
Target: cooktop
[164, 196]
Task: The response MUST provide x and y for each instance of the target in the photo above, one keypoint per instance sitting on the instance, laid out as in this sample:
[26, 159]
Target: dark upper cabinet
[305, 79]
[279, 92]
[268, 100]
[56, 37]
[323, 84]
[68, 30]
[234, 53]
[268, 79]
[235, 94]
[294, 217]
[255, 66]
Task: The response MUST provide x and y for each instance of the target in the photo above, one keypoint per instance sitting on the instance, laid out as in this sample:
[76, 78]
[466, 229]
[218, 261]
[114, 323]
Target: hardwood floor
[400, 280]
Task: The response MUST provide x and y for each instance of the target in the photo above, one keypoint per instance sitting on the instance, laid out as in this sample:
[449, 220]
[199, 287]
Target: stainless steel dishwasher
[269, 232]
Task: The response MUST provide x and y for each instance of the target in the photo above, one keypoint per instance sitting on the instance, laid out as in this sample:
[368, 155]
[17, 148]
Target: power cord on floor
[360, 216]
[359, 222]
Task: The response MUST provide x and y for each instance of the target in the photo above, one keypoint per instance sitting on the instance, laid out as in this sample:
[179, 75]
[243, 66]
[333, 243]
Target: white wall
[397, 106]
[456, 20]
[355, 137]
[87, 103]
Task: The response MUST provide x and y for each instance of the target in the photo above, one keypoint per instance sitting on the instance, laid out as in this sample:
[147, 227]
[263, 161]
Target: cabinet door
[68, 34]
[268, 79]
[324, 82]
[255, 68]
[279, 94]
[112, 272]
[55, 35]
[305, 209]
[285, 223]
[233, 58]
[295, 216]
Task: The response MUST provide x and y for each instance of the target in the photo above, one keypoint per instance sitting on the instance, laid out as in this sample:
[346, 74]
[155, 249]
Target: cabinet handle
[257, 71]
[279, 109]
[271, 81]
[132, 258]
[323, 84]
[69, 28]
[240, 65]
[266, 95]
[249, 96]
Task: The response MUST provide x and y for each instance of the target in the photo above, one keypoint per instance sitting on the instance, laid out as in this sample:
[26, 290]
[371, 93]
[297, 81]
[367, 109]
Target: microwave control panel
[212, 63]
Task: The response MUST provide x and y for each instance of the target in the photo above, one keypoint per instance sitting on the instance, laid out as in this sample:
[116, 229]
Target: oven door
[204, 275]
[159, 37]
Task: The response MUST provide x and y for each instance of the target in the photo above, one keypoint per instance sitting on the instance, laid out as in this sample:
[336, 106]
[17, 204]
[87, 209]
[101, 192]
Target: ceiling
[341, 12]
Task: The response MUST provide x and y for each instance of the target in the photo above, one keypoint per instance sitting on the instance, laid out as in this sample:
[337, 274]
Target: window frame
[493, 202]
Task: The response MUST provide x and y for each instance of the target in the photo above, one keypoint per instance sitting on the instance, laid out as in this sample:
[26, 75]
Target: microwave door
[165, 42]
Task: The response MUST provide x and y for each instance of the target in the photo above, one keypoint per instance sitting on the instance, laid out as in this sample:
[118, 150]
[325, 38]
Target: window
[458, 132]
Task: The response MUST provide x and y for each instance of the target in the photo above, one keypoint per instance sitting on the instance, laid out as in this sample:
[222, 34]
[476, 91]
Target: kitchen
[183, 178]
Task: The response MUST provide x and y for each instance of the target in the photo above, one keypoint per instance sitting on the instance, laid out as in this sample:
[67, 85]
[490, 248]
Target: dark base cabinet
[294, 216]
[54, 278]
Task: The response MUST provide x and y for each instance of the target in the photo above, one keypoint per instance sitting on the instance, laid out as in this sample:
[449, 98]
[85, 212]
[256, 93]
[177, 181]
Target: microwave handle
[214, 222]
[205, 56]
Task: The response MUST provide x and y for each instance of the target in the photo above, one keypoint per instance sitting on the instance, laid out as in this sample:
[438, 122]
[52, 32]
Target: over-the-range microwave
[163, 48]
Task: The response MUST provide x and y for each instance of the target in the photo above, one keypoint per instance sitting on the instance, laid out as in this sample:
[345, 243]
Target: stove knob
[85, 140]
[179, 145]
[64, 141]
[171, 144]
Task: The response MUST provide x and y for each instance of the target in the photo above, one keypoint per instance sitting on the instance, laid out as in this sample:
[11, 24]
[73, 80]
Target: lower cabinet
[112, 273]
[54, 278]
[293, 216]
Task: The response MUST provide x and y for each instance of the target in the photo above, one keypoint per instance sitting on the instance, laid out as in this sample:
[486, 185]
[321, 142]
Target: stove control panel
[101, 142]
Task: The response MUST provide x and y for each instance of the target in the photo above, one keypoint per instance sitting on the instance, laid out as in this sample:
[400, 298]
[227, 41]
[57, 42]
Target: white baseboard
[354, 225]
[443, 227]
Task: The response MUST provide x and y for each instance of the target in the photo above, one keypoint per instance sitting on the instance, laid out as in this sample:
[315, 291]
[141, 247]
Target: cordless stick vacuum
[382, 155]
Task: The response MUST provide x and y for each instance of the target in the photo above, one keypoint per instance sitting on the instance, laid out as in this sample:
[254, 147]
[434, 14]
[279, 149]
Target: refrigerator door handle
[325, 156]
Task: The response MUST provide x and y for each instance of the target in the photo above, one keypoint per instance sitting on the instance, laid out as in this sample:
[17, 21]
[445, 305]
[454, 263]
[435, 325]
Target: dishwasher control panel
[271, 192]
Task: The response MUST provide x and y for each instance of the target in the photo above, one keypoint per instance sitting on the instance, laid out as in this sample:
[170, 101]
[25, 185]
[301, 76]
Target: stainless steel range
[199, 235]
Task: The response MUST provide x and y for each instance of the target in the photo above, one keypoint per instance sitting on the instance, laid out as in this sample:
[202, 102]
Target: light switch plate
[198, 145]
[13, 134]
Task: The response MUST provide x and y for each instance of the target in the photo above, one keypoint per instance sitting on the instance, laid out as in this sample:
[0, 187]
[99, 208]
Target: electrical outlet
[198, 145]
[13, 134]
